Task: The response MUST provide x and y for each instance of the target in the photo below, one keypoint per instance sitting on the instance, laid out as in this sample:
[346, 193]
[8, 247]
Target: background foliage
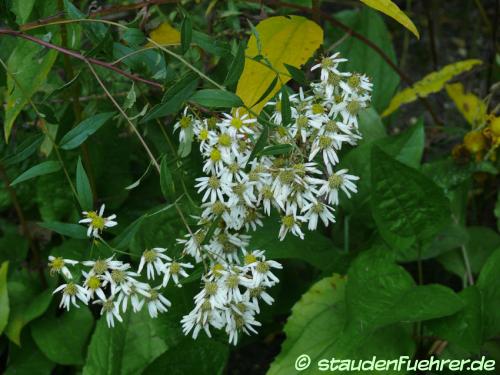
[410, 268]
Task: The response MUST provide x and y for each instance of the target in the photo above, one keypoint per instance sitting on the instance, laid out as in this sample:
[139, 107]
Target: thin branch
[79, 56]
[97, 13]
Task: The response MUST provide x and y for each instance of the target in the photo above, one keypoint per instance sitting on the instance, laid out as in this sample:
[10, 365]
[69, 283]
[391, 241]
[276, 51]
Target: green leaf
[83, 189]
[128, 348]
[297, 74]
[166, 180]
[124, 239]
[134, 37]
[286, 110]
[64, 339]
[380, 293]
[26, 304]
[277, 149]
[41, 169]
[463, 329]
[65, 229]
[22, 9]
[79, 134]
[489, 285]
[214, 98]
[236, 67]
[260, 144]
[24, 151]
[173, 99]
[317, 328]
[27, 360]
[406, 205]
[205, 356]
[364, 59]
[30, 64]
[186, 33]
[4, 296]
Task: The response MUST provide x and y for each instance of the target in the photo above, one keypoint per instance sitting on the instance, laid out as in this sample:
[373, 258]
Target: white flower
[100, 266]
[174, 270]
[97, 222]
[120, 280]
[71, 292]
[338, 180]
[317, 210]
[154, 261]
[214, 188]
[111, 309]
[58, 265]
[238, 124]
[261, 272]
[240, 317]
[291, 223]
[259, 292]
[93, 285]
[329, 65]
[157, 303]
[137, 292]
[201, 317]
[185, 124]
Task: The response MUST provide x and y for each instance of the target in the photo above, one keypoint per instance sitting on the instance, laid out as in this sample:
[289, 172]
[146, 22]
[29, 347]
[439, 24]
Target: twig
[79, 56]
[98, 13]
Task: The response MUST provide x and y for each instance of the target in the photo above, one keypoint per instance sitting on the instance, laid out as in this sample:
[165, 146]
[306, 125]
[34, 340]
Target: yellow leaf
[290, 40]
[392, 10]
[430, 84]
[470, 106]
[165, 35]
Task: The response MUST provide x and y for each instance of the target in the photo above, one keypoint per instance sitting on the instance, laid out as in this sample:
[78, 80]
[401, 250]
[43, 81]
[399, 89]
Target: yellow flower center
[250, 258]
[150, 256]
[93, 283]
[215, 155]
[317, 109]
[185, 122]
[288, 221]
[225, 140]
[97, 221]
[203, 136]
[57, 264]
[236, 123]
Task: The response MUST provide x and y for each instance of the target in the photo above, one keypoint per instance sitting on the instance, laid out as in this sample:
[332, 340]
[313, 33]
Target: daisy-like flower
[156, 302]
[153, 259]
[120, 280]
[240, 317]
[174, 270]
[137, 292]
[291, 223]
[256, 294]
[239, 123]
[111, 309]
[338, 180]
[100, 266]
[214, 187]
[262, 272]
[97, 222]
[57, 265]
[356, 83]
[71, 292]
[185, 124]
[201, 317]
[329, 65]
[93, 285]
[317, 210]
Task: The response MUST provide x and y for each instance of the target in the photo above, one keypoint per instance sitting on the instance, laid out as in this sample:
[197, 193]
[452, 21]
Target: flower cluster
[296, 175]
[241, 186]
[111, 283]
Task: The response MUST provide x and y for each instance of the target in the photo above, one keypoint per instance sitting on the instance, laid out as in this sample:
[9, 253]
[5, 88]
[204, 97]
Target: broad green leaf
[203, 356]
[41, 169]
[83, 189]
[128, 348]
[165, 35]
[406, 205]
[79, 134]
[317, 328]
[30, 64]
[472, 108]
[64, 339]
[173, 99]
[431, 83]
[22, 9]
[380, 292]
[167, 183]
[214, 98]
[4, 296]
[392, 10]
[489, 285]
[134, 36]
[370, 126]
[27, 360]
[125, 237]
[364, 59]
[463, 329]
[66, 229]
[26, 304]
[285, 40]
